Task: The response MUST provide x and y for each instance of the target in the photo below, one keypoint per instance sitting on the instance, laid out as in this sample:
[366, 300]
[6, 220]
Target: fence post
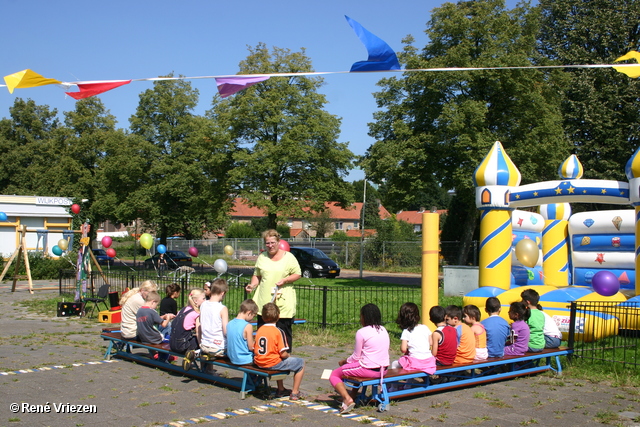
[325, 289]
[572, 327]
[384, 249]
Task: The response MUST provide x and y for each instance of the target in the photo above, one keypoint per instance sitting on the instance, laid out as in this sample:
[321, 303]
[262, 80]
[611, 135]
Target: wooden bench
[454, 376]
[252, 377]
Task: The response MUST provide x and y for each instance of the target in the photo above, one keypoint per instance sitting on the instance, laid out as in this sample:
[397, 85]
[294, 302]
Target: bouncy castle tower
[572, 248]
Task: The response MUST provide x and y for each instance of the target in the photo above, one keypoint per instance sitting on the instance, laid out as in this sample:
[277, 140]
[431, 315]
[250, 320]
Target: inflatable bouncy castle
[589, 256]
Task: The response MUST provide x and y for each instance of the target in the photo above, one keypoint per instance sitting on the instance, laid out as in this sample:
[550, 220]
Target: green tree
[435, 128]
[322, 223]
[601, 107]
[186, 187]
[288, 157]
[240, 230]
[26, 148]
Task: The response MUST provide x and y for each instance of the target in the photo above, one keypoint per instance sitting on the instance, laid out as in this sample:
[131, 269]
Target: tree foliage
[288, 157]
[601, 114]
[185, 189]
[435, 128]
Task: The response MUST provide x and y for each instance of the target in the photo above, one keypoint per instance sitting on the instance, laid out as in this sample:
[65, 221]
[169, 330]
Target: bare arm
[404, 346]
[289, 279]
[435, 337]
[248, 336]
[255, 281]
[224, 313]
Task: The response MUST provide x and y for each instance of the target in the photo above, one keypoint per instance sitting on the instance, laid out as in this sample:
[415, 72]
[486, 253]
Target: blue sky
[81, 40]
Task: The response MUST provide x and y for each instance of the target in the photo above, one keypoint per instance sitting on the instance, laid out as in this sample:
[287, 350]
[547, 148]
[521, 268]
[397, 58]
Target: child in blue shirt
[497, 328]
[240, 334]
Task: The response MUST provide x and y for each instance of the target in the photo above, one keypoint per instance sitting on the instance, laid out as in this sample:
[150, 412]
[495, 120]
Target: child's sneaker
[187, 362]
[297, 396]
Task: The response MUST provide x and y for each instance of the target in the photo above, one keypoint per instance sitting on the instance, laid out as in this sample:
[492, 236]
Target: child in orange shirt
[466, 351]
[472, 318]
[271, 351]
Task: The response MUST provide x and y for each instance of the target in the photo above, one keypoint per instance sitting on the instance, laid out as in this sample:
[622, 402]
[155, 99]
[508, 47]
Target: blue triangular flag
[381, 56]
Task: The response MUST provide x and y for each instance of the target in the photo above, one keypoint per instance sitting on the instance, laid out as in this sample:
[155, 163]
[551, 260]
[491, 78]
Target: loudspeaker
[67, 309]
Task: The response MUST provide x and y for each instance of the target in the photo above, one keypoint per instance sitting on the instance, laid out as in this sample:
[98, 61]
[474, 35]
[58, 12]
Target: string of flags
[381, 58]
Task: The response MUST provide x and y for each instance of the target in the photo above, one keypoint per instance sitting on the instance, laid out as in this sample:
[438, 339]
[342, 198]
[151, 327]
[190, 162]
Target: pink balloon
[106, 241]
[284, 245]
[111, 253]
[605, 283]
[193, 251]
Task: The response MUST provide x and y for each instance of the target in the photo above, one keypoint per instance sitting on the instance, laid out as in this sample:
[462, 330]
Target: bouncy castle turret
[494, 178]
[632, 170]
[555, 245]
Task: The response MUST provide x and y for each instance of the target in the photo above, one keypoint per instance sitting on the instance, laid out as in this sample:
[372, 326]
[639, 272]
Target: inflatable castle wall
[589, 256]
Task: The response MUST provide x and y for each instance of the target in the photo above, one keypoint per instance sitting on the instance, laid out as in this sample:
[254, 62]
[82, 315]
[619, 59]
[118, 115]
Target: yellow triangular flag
[27, 78]
[631, 71]
[632, 54]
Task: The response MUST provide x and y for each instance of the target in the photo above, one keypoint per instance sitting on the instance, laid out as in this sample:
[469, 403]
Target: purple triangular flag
[227, 86]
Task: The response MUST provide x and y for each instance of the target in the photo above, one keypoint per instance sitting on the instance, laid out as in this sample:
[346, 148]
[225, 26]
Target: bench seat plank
[454, 376]
[251, 378]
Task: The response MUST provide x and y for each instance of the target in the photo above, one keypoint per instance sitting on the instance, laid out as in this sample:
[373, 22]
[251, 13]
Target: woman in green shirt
[273, 277]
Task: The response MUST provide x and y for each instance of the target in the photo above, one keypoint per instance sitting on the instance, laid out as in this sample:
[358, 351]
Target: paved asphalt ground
[57, 362]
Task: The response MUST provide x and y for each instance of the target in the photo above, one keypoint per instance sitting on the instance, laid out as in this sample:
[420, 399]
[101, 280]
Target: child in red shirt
[443, 340]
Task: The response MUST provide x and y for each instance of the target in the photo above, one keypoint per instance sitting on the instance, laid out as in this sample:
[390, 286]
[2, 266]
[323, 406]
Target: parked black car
[174, 260]
[315, 263]
[102, 257]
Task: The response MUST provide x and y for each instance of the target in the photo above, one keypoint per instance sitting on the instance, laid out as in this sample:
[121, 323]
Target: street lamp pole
[364, 201]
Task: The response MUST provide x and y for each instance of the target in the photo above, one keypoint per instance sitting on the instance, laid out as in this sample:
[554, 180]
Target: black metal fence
[322, 306]
[606, 332]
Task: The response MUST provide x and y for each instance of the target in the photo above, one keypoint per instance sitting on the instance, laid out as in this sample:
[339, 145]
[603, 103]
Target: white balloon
[220, 266]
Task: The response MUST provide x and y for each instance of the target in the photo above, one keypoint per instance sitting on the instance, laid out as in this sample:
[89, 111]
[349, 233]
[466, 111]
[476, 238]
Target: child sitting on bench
[146, 320]
[370, 356]
[271, 351]
[240, 334]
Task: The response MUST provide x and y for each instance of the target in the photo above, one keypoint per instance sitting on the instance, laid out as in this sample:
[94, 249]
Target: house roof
[368, 232]
[415, 217]
[242, 209]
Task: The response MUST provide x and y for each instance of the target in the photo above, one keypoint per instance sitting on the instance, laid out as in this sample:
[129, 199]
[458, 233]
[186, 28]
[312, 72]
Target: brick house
[415, 218]
[347, 220]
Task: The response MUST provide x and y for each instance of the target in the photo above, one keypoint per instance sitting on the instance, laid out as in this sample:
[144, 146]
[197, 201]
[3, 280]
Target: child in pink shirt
[370, 355]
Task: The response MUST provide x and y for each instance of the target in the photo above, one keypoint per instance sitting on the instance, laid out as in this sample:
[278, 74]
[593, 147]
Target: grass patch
[597, 372]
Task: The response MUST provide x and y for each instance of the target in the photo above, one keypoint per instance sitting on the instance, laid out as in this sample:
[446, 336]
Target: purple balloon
[605, 283]
[193, 251]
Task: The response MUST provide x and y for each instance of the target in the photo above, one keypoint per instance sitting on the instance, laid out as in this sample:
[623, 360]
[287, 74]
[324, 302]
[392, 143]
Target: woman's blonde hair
[271, 233]
[147, 285]
[192, 296]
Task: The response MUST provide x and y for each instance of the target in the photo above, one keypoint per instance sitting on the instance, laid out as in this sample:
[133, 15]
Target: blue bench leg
[107, 354]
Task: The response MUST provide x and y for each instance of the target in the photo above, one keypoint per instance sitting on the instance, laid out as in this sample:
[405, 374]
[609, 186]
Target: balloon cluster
[63, 245]
[106, 243]
[219, 265]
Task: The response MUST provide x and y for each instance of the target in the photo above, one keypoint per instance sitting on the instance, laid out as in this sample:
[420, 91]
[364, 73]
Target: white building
[47, 220]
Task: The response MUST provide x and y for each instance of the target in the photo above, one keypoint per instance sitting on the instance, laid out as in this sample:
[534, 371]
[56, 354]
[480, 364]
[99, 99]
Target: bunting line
[320, 73]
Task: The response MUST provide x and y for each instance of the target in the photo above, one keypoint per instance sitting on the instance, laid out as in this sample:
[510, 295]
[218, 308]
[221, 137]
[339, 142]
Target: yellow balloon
[228, 250]
[146, 240]
[527, 252]
[63, 244]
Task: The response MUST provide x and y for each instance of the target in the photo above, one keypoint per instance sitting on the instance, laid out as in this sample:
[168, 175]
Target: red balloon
[111, 253]
[193, 251]
[75, 208]
[106, 241]
[284, 245]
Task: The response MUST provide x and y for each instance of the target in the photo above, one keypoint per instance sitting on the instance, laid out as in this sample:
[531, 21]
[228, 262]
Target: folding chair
[101, 297]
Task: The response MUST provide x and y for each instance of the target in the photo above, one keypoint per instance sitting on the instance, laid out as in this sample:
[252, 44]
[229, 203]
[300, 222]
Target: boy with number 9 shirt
[271, 352]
